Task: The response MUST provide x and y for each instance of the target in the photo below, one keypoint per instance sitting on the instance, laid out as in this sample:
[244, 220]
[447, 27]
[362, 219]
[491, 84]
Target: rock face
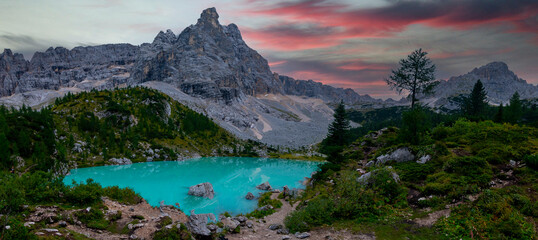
[499, 82]
[207, 67]
[209, 60]
[318, 90]
[202, 190]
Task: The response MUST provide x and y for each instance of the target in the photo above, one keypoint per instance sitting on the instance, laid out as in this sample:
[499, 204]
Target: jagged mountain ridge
[207, 67]
[499, 82]
[206, 60]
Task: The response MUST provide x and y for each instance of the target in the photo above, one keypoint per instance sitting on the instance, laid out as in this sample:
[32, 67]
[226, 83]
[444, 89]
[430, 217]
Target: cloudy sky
[345, 43]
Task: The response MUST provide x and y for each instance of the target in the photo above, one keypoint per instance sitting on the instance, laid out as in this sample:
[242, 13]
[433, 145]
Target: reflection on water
[232, 179]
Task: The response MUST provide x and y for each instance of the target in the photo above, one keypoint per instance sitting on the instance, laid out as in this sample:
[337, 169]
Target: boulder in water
[249, 196]
[264, 186]
[202, 190]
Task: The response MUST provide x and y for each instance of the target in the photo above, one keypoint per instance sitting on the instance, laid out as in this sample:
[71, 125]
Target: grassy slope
[466, 157]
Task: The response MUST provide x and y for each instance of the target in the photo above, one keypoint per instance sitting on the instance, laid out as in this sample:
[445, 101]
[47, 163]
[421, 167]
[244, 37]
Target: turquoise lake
[232, 178]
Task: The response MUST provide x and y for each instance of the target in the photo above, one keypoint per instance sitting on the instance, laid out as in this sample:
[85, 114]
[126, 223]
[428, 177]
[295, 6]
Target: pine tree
[338, 130]
[476, 103]
[499, 115]
[515, 109]
[416, 75]
[337, 137]
[4, 151]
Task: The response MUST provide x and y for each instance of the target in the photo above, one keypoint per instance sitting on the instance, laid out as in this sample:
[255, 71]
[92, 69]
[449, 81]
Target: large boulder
[230, 224]
[399, 155]
[264, 186]
[202, 190]
[250, 196]
[368, 177]
[197, 223]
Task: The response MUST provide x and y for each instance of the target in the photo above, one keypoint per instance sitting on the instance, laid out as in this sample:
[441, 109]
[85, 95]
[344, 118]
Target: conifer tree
[416, 75]
[4, 150]
[338, 130]
[515, 109]
[475, 105]
[337, 137]
[499, 115]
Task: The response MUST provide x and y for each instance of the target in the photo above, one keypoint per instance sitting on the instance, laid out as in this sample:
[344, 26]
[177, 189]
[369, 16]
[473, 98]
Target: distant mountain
[207, 67]
[500, 84]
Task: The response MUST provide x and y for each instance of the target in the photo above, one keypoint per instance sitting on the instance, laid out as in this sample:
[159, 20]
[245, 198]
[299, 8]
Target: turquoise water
[232, 179]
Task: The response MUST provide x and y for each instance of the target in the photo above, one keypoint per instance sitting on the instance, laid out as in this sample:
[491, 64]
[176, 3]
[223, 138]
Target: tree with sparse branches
[416, 75]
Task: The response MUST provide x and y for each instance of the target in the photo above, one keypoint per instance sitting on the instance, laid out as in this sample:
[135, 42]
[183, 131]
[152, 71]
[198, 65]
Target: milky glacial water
[232, 178]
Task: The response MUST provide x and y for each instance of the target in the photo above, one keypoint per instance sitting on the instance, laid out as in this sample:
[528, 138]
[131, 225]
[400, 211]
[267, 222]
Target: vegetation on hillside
[483, 172]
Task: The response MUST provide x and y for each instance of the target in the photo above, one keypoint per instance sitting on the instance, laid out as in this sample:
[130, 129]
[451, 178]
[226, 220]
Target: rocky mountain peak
[209, 18]
[7, 52]
[165, 38]
[493, 70]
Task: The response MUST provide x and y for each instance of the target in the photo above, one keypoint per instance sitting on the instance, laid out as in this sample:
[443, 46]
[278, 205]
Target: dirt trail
[260, 229]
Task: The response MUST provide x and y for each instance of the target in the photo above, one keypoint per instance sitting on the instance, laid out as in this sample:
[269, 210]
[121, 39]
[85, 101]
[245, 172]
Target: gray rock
[241, 219]
[62, 223]
[29, 224]
[249, 223]
[50, 230]
[399, 155]
[302, 235]
[275, 226]
[212, 227]
[424, 159]
[513, 163]
[197, 223]
[120, 161]
[370, 163]
[264, 186]
[283, 231]
[286, 237]
[230, 223]
[365, 178]
[265, 208]
[250, 196]
[202, 190]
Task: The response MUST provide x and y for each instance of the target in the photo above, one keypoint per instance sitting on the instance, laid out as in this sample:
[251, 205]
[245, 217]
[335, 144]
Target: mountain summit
[500, 84]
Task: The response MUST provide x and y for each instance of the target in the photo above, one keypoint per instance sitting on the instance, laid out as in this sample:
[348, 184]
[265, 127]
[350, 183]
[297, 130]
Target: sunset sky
[345, 43]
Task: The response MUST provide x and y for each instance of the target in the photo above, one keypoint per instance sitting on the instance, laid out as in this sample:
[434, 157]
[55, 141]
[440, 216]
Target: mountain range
[209, 68]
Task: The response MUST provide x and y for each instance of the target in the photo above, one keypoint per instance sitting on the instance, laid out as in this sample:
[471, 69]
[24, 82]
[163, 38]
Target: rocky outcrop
[12, 68]
[370, 177]
[197, 223]
[499, 82]
[209, 60]
[328, 93]
[398, 155]
[202, 190]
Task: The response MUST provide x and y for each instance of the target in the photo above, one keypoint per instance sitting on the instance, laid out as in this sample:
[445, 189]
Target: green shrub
[490, 217]
[84, 194]
[531, 161]
[173, 234]
[17, 231]
[122, 195]
[93, 218]
[474, 170]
